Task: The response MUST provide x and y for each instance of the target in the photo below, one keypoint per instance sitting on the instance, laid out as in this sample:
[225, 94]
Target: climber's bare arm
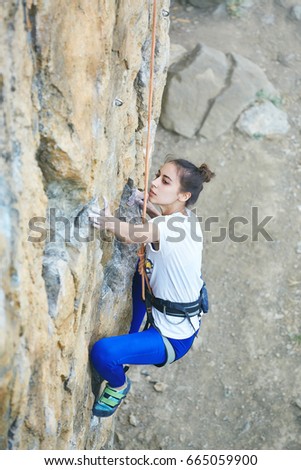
[132, 233]
[124, 231]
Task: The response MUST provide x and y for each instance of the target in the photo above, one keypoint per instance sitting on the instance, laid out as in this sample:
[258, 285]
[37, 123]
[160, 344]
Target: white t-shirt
[174, 270]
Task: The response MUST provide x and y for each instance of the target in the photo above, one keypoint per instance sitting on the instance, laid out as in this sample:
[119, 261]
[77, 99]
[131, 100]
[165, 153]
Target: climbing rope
[141, 251]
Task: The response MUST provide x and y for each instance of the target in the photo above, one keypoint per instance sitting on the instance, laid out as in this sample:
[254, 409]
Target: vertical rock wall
[65, 142]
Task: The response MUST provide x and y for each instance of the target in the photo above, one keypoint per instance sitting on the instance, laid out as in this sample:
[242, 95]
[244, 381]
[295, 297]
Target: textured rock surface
[246, 82]
[263, 119]
[207, 90]
[192, 83]
[64, 144]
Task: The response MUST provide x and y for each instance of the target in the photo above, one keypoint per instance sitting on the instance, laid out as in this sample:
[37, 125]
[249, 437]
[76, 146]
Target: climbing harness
[175, 309]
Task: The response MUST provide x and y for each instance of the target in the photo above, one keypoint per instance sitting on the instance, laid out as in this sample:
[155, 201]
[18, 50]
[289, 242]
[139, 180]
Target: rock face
[73, 110]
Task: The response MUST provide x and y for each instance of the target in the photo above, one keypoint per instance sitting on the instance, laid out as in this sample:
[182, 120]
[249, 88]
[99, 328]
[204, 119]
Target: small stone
[160, 387]
[298, 248]
[298, 403]
[295, 13]
[133, 420]
[227, 392]
[246, 427]
[286, 59]
[119, 437]
[268, 19]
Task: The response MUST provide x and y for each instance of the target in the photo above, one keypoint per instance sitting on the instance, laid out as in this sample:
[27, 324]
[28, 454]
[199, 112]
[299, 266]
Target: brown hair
[191, 177]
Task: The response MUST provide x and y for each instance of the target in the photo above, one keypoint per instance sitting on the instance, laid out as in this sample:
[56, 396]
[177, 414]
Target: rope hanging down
[141, 251]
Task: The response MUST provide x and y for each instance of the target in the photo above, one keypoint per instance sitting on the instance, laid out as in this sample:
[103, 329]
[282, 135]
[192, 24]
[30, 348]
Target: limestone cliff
[73, 97]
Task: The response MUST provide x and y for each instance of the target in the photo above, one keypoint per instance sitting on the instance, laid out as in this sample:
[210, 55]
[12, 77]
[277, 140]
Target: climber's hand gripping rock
[100, 218]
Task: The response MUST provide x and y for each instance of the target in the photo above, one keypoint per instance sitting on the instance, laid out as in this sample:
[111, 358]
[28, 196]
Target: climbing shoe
[109, 400]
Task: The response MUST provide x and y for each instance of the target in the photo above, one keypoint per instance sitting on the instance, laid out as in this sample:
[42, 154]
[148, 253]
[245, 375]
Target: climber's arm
[132, 233]
[124, 231]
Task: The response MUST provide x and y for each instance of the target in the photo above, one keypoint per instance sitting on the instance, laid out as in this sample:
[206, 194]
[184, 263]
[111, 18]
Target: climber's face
[166, 191]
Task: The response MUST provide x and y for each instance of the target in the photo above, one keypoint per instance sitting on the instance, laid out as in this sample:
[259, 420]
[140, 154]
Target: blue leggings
[108, 355]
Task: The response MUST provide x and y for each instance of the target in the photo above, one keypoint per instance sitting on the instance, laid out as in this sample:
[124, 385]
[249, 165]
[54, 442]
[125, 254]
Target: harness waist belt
[176, 309]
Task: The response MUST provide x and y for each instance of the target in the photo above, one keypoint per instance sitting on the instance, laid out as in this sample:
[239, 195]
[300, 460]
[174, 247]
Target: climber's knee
[101, 352]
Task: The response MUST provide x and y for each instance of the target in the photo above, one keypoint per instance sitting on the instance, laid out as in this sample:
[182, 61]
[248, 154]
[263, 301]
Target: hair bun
[206, 173]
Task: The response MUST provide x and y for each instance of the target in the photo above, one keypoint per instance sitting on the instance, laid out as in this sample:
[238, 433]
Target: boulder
[176, 53]
[207, 90]
[192, 83]
[246, 81]
[263, 119]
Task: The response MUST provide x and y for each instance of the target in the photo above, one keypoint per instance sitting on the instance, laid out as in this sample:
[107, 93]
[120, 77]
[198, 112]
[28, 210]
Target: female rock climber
[173, 260]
